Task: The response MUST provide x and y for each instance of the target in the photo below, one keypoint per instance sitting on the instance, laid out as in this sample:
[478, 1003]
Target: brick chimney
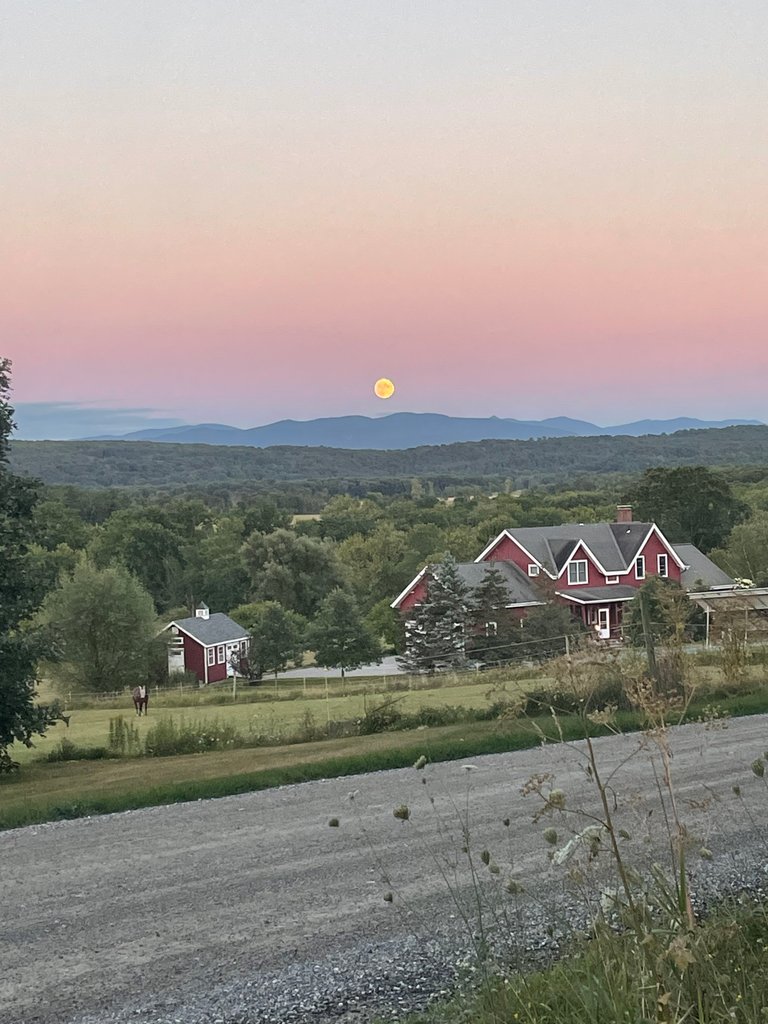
[624, 514]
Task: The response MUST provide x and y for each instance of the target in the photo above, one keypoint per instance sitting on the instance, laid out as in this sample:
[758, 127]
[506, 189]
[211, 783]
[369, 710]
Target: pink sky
[248, 212]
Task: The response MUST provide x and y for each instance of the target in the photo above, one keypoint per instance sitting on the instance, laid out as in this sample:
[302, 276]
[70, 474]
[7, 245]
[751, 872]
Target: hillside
[135, 463]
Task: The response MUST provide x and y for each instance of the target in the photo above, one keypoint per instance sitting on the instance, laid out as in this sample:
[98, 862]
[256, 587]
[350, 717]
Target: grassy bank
[46, 792]
[714, 974]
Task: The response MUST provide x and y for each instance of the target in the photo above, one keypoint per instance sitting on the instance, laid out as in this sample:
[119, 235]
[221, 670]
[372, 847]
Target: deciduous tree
[339, 637]
[105, 625]
[21, 718]
[689, 503]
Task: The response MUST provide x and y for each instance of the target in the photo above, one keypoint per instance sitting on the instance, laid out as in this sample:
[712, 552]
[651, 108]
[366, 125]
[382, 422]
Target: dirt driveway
[178, 913]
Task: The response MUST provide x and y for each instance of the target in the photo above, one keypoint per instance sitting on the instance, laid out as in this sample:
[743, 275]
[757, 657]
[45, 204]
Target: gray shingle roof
[701, 570]
[218, 629]
[613, 544]
[519, 587]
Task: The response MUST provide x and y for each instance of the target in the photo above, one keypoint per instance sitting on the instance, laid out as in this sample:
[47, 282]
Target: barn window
[210, 656]
[533, 570]
[662, 563]
[491, 628]
[220, 654]
[640, 567]
[611, 579]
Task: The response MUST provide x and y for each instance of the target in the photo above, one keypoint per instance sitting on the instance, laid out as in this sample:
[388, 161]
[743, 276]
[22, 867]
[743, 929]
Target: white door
[604, 623]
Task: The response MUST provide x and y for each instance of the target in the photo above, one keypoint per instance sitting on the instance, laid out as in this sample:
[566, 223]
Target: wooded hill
[524, 463]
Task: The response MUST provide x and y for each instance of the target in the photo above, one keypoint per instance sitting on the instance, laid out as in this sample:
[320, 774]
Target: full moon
[384, 388]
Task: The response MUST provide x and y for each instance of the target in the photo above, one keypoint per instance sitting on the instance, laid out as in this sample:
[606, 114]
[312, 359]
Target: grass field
[270, 717]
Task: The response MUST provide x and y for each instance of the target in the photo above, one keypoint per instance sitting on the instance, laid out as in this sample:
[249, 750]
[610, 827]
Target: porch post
[706, 641]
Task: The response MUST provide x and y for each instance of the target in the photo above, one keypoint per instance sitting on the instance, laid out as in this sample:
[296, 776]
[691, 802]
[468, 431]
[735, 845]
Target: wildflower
[550, 836]
[420, 763]
[513, 887]
[556, 799]
[589, 837]
[485, 857]
[758, 767]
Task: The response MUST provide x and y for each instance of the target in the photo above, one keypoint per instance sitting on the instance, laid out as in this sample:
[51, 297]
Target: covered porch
[601, 609]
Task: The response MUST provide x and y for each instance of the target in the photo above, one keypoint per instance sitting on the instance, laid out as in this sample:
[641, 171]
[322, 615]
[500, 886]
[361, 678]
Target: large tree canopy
[295, 571]
[105, 621]
[20, 717]
[689, 503]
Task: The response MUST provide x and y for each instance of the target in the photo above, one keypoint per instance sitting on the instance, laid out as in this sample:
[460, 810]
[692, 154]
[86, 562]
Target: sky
[247, 211]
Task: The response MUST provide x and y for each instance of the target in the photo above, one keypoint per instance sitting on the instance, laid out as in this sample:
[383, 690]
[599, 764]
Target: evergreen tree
[20, 648]
[436, 630]
[339, 636]
[492, 631]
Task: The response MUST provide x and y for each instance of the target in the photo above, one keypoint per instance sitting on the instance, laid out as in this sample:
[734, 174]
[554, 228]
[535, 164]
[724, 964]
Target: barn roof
[217, 629]
[701, 572]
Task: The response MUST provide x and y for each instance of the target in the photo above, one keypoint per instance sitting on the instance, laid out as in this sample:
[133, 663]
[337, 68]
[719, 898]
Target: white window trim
[533, 570]
[210, 656]
[640, 561]
[573, 570]
[611, 579]
[665, 557]
[220, 654]
[491, 628]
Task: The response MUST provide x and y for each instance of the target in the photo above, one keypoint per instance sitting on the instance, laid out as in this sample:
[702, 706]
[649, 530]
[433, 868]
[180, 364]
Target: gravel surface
[252, 910]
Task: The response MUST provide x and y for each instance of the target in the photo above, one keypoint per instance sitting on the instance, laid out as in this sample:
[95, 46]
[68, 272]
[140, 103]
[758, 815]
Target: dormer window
[533, 570]
[662, 565]
[640, 567]
[577, 572]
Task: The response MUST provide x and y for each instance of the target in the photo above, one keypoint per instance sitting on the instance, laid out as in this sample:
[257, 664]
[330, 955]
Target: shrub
[124, 738]
[66, 750]
[168, 737]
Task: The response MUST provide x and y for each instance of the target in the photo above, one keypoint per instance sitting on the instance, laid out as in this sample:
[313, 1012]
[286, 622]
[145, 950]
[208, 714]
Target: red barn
[206, 645]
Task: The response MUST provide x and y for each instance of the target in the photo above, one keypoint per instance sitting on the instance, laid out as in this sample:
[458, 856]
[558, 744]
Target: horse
[141, 700]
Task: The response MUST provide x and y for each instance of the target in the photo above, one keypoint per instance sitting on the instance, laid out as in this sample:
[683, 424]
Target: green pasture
[276, 718]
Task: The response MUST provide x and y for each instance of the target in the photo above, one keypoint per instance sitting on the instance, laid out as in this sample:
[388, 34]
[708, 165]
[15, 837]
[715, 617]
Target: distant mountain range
[406, 430]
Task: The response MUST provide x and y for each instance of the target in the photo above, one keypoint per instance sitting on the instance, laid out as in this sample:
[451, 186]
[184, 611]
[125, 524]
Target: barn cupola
[202, 612]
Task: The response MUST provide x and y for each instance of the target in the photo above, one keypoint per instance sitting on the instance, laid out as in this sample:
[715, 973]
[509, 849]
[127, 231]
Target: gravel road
[252, 909]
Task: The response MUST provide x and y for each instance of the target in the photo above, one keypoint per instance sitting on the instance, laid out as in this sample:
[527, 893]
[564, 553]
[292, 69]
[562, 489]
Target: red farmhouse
[208, 645]
[595, 568]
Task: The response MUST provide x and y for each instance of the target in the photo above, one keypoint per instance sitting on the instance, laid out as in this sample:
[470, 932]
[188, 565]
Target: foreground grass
[715, 974]
[720, 978]
[47, 792]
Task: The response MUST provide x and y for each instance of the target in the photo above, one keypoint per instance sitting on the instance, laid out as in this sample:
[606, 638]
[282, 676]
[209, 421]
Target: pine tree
[436, 631]
[493, 634]
[20, 717]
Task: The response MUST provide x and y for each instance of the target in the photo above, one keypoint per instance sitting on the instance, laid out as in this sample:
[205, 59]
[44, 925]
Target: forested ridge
[522, 463]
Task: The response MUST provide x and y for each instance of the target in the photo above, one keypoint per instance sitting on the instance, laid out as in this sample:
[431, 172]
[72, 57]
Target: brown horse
[141, 699]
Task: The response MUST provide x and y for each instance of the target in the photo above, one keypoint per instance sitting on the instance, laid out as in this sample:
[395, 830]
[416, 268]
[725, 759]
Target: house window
[533, 570]
[491, 628]
[210, 655]
[220, 654]
[577, 571]
[611, 579]
[662, 563]
[640, 567]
